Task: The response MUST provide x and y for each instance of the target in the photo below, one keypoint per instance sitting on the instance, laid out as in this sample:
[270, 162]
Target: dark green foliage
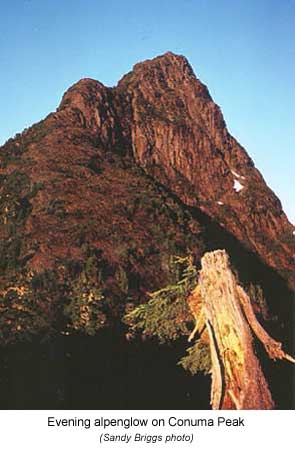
[24, 313]
[57, 207]
[122, 279]
[84, 311]
[95, 165]
[42, 304]
[10, 251]
[126, 234]
[43, 281]
[166, 314]
[15, 207]
[197, 359]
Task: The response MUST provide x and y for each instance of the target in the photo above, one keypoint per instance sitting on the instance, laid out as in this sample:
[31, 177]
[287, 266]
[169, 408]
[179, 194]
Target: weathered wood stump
[223, 309]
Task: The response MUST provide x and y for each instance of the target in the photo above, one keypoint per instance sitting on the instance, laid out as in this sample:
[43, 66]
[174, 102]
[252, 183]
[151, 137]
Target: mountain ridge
[171, 136]
[122, 179]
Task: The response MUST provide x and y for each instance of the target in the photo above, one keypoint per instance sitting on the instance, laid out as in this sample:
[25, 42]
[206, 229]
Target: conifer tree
[225, 319]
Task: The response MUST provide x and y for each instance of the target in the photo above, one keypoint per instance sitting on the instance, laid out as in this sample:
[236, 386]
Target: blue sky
[244, 50]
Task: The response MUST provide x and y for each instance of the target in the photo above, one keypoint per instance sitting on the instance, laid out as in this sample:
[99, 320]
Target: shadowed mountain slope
[99, 196]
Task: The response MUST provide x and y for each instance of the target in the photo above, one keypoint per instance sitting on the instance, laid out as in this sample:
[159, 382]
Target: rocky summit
[97, 199]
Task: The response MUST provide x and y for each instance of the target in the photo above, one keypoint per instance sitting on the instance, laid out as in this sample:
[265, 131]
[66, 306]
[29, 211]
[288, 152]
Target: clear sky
[244, 50]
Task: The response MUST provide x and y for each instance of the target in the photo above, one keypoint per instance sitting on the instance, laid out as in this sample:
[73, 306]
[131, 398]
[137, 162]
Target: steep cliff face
[81, 223]
[121, 179]
[179, 137]
[163, 116]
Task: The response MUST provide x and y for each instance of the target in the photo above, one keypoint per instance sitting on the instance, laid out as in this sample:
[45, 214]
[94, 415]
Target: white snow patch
[220, 203]
[238, 186]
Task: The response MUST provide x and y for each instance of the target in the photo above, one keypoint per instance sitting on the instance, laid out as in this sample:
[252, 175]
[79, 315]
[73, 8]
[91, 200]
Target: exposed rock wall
[164, 118]
[179, 136]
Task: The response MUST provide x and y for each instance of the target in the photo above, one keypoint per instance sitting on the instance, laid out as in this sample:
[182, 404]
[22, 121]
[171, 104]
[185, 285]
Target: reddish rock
[163, 118]
[179, 137]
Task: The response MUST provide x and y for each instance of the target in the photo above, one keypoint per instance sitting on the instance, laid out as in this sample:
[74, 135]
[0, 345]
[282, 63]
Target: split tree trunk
[237, 378]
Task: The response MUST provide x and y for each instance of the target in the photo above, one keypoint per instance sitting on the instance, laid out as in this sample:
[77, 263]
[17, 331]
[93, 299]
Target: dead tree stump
[219, 303]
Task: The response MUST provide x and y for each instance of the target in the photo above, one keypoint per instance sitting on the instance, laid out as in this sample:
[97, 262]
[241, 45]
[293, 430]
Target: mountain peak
[100, 199]
[166, 58]
[163, 119]
[168, 66]
[86, 88]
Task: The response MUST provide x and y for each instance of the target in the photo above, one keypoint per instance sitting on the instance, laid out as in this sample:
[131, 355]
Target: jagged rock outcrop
[163, 116]
[179, 136]
[126, 177]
